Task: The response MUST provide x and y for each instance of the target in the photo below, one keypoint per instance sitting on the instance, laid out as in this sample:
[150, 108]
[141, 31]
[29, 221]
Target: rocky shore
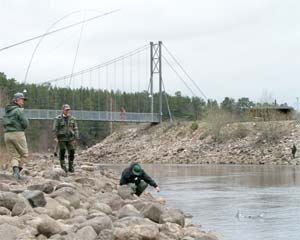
[89, 205]
[241, 143]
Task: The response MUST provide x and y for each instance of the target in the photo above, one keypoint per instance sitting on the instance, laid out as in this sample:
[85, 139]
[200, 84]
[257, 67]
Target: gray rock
[36, 198]
[9, 232]
[56, 210]
[106, 234]
[54, 174]
[125, 192]
[173, 216]
[69, 194]
[4, 211]
[139, 232]
[129, 211]
[48, 226]
[153, 211]
[98, 223]
[61, 185]
[44, 187]
[86, 233]
[102, 207]
[79, 212]
[111, 199]
[21, 207]
[8, 200]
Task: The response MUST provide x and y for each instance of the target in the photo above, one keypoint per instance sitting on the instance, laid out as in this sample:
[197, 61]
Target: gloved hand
[137, 181]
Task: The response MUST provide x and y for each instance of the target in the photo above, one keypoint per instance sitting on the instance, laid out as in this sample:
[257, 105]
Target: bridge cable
[102, 65]
[185, 72]
[167, 102]
[179, 76]
[58, 30]
[42, 37]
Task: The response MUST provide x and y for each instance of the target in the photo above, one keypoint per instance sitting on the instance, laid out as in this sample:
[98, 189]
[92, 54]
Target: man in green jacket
[65, 135]
[15, 123]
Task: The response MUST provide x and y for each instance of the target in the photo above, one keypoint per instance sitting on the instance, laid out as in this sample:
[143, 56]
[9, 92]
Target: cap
[18, 95]
[66, 107]
[137, 170]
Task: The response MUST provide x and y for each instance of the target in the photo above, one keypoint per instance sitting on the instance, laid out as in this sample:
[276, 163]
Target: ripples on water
[214, 194]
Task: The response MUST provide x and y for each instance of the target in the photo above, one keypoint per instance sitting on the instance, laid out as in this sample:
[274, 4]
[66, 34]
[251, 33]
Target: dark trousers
[69, 146]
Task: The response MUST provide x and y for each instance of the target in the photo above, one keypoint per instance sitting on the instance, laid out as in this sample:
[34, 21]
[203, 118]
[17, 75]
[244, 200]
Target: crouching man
[135, 177]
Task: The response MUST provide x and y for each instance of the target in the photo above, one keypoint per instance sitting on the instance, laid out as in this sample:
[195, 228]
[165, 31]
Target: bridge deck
[47, 114]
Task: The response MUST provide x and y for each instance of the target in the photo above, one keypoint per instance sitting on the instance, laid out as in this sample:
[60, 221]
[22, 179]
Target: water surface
[267, 197]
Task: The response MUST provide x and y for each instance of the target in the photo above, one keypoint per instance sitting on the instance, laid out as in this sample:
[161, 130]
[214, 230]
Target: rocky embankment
[242, 143]
[89, 205]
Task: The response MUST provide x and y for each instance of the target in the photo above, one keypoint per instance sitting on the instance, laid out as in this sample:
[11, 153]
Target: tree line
[47, 96]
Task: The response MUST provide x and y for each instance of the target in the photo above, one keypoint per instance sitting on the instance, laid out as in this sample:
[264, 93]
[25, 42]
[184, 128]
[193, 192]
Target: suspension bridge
[137, 72]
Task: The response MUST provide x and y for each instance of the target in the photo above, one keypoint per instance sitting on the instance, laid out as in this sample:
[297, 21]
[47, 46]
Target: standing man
[15, 123]
[65, 135]
[136, 178]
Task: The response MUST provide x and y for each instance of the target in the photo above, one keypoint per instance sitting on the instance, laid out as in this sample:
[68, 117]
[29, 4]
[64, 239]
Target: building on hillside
[269, 113]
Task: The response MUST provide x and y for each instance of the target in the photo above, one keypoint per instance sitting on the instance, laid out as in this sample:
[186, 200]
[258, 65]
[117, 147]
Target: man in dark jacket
[66, 134]
[137, 179]
[15, 123]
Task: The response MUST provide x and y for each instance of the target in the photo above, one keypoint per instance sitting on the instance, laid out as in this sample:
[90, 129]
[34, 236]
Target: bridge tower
[156, 69]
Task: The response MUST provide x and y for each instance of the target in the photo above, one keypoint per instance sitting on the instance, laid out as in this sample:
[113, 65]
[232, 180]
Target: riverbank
[201, 143]
[89, 204]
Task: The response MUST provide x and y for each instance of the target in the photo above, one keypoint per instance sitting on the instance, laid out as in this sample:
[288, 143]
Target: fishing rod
[59, 29]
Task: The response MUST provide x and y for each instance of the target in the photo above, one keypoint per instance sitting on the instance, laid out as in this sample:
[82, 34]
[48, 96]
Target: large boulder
[9, 232]
[36, 198]
[98, 223]
[86, 233]
[153, 211]
[171, 230]
[129, 211]
[111, 199]
[102, 207]
[48, 226]
[8, 200]
[173, 216]
[69, 194]
[137, 232]
[21, 207]
[125, 192]
[54, 174]
[44, 187]
[4, 211]
[56, 210]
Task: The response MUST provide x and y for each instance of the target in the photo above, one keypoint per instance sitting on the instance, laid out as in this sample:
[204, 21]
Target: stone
[21, 207]
[79, 212]
[172, 230]
[125, 192]
[56, 210]
[69, 194]
[44, 187]
[9, 232]
[86, 233]
[173, 216]
[98, 223]
[139, 232]
[106, 234]
[54, 174]
[4, 211]
[64, 184]
[153, 211]
[48, 226]
[36, 198]
[111, 199]
[102, 207]
[8, 200]
[88, 168]
[129, 211]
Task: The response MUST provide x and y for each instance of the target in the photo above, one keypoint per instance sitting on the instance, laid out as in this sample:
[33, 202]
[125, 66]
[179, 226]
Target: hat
[137, 170]
[18, 95]
[66, 107]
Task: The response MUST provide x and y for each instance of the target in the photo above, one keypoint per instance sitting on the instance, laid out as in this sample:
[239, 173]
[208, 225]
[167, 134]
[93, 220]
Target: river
[241, 202]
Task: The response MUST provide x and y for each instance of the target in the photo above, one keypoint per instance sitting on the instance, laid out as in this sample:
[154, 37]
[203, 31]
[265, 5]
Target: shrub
[194, 126]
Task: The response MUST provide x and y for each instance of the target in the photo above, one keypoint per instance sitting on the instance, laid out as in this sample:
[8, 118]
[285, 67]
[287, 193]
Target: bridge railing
[48, 114]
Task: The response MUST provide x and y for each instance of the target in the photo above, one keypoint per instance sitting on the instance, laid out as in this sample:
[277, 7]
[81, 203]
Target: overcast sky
[234, 48]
